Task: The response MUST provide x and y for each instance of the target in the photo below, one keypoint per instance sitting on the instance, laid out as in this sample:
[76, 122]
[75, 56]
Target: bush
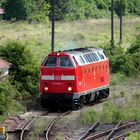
[8, 96]
[111, 113]
[135, 46]
[25, 69]
[25, 10]
[116, 78]
[124, 62]
[88, 116]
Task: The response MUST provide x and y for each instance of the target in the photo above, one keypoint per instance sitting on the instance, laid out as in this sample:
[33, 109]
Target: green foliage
[134, 136]
[114, 112]
[31, 10]
[25, 69]
[14, 9]
[88, 116]
[38, 10]
[134, 7]
[84, 9]
[135, 46]
[116, 78]
[8, 94]
[111, 113]
[117, 6]
[124, 62]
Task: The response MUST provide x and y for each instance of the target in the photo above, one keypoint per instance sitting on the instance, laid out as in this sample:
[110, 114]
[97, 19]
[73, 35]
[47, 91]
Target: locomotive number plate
[57, 83]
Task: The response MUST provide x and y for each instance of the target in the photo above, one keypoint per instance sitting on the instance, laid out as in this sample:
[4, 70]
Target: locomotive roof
[82, 50]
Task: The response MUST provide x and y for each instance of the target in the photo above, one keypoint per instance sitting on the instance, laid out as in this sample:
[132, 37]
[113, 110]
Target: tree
[14, 9]
[117, 6]
[36, 10]
[134, 6]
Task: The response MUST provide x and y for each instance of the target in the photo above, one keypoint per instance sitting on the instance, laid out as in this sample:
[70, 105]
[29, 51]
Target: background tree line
[40, 10]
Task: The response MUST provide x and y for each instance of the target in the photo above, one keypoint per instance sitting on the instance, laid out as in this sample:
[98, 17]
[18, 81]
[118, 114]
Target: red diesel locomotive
[74, 77]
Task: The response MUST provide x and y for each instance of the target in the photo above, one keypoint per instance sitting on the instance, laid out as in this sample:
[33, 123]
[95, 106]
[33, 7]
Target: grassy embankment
[77, 34]
[68, 35]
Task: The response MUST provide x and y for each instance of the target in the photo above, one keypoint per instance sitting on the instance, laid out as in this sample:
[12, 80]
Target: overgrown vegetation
[25, 70]
[124, 62]
[9, 99]
[38, 10]
[38, 127]
[134, 136]
[113, 112]
[23, 78]
[31, 10]
[24, 75]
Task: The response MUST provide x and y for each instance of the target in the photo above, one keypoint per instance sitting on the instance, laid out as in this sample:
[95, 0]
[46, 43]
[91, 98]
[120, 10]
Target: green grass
[114, 111]
[38, 128]
[134, 136]
[67, 34]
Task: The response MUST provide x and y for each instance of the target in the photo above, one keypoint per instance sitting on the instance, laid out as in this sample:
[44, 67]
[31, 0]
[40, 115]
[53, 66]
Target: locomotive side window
[101, 55]
[95, 56]
[65, 62]
[85, 57]
[83, 61]
[51, 61]
[92, 57]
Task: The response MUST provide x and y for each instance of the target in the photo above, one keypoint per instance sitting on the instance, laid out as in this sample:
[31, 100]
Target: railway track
[27, 127]
[17, 127]
[117, 132]
[48, 129]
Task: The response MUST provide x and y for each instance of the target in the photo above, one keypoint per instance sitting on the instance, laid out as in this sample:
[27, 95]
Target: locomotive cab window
[51, 61]
[65, 62]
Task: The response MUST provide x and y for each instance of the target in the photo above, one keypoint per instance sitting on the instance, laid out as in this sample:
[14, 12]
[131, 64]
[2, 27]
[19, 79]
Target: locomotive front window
[65, 62]
[51, 61]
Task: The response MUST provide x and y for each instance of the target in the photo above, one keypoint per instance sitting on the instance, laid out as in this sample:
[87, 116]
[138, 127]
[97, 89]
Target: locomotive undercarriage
[95, 96]
[73, 100]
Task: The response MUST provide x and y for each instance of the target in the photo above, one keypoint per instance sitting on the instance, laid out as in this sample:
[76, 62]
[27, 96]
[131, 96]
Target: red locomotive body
[74, 77]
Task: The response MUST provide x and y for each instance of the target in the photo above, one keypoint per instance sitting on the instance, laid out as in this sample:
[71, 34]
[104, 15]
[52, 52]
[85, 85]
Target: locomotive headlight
[69, 88]
[46, 88]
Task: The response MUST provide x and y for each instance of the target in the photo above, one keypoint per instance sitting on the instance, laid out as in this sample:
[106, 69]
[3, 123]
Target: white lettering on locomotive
[58, 77]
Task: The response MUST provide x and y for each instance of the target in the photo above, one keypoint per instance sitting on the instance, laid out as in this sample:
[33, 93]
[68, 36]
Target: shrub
[135, 46]
[111, 113]
[88, 116]
[8, 94]
[25, 10]
[125, 62]
[25, 70]
[116, 78]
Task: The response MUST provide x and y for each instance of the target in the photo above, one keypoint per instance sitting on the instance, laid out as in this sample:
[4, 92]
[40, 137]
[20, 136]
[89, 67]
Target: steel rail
[113, 131]
[104, 133]
[125, 134]
[26, 127]
[47, 130]
[89, 130]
